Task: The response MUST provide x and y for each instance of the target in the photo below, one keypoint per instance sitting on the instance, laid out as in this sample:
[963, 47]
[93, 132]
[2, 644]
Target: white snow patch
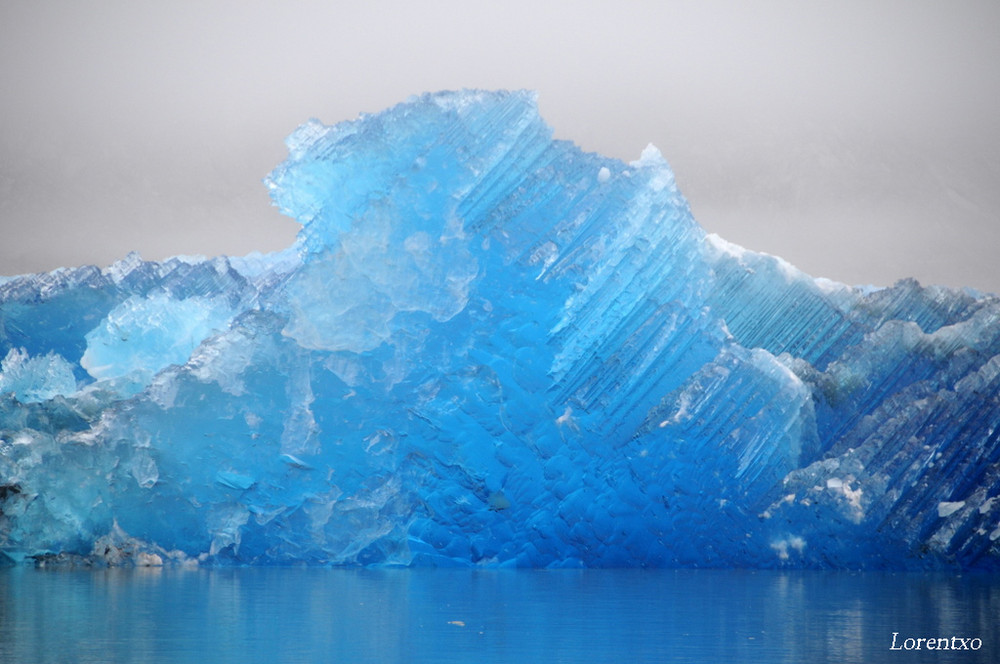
[830, 286]
[790, 272]
[567, 420]
[852, 496]
[725, 246]
[651, 156]
[781, 547]
[682, 410]
[949, 508]
[854, 499]
[652, 159]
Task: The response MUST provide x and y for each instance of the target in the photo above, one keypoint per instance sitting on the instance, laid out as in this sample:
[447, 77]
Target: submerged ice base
[490, 348]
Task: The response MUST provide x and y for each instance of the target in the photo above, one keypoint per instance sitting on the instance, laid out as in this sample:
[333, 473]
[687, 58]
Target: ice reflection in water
[340, 615]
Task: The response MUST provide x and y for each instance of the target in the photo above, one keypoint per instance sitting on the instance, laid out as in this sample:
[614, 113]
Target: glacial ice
[488, 347]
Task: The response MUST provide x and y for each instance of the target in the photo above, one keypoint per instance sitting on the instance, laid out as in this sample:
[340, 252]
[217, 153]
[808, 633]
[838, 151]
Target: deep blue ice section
[488, 347]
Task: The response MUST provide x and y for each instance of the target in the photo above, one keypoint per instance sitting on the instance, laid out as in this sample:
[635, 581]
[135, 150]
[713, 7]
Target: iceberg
[488, 347]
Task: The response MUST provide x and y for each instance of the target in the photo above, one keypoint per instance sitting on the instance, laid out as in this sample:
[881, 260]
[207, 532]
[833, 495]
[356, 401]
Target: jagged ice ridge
[488, 347]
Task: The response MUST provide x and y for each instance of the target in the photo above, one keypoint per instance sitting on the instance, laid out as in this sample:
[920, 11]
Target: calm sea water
[320, 615]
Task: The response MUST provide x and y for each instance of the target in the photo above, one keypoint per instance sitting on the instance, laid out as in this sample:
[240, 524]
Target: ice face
[490, 348]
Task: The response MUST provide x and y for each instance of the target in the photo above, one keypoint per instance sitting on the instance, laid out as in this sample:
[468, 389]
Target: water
[340, 615]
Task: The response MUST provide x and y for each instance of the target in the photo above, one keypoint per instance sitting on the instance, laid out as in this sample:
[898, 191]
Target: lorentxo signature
[936, 643]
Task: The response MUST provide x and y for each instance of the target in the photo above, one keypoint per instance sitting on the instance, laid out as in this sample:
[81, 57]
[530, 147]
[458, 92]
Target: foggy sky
[858, 140]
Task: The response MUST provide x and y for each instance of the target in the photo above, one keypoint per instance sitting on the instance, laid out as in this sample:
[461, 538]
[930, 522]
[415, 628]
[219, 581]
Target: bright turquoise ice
[488, 347]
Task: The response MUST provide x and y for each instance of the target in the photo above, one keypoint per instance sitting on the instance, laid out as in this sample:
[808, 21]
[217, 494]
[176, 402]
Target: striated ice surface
[488, 347]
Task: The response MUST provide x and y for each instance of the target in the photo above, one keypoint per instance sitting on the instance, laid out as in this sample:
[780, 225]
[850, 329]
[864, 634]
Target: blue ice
[488, 347]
